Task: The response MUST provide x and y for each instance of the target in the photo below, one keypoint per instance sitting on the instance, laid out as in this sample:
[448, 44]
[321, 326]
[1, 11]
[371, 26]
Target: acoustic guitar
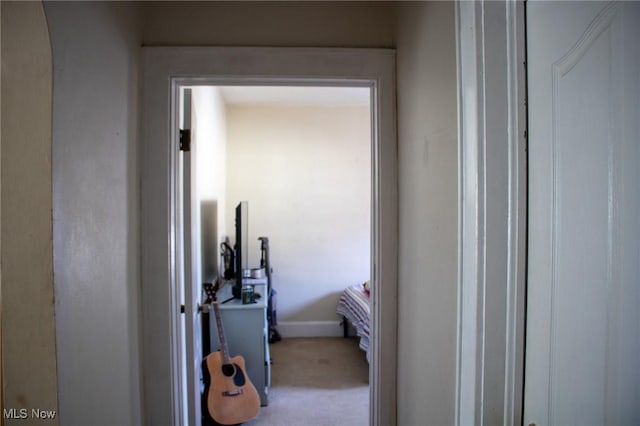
[231, 397]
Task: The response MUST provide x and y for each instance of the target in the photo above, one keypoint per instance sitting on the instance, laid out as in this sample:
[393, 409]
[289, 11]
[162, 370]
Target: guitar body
[231, 397]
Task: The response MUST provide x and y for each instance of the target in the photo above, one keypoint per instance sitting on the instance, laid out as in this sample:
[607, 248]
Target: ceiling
[296, 96]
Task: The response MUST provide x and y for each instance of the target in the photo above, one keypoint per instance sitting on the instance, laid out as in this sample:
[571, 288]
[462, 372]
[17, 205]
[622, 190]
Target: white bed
[354, 306]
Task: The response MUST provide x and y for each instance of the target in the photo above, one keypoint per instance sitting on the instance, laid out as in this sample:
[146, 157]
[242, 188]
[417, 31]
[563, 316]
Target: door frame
[492, 220]
[162, 67]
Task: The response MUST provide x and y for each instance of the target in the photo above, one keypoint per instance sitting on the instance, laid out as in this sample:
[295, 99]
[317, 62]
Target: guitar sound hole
[228, 370]
[233, 370]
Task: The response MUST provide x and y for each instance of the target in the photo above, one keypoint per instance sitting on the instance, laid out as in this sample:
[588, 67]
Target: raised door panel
[583, 246]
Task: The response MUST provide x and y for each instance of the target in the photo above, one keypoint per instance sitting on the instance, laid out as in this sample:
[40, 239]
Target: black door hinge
[185, 139]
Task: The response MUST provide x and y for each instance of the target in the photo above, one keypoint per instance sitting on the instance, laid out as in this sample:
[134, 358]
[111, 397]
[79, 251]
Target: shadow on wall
[209, 238]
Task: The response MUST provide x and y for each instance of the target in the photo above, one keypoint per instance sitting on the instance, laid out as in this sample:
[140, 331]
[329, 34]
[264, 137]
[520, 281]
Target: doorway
[165, 69]
[300, 158]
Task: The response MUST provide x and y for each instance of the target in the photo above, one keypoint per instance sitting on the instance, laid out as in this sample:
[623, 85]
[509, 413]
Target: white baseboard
[309, 328]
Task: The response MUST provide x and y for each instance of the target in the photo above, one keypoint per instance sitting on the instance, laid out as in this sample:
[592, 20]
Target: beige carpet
[317, 382]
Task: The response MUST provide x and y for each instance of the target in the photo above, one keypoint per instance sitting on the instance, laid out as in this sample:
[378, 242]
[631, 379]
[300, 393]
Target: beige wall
[29, 357]
[424, 35]
[209, 126]
[427, 150]
[306, 174]
[96, 55]
[239, 23]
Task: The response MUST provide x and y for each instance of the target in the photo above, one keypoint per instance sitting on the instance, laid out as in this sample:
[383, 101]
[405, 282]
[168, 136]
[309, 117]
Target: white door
[583, 328]
[191, 271]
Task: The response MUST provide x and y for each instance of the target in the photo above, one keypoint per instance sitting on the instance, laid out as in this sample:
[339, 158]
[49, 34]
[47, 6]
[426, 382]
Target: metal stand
[265, 263]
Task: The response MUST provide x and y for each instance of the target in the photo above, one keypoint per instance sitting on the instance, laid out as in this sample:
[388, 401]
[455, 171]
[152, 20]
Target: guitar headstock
[211, 289]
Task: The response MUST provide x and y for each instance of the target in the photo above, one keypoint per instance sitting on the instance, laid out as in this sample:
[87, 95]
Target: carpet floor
[317, 382]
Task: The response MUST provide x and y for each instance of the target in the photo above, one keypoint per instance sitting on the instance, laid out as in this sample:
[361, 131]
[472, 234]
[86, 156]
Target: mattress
[354, 305]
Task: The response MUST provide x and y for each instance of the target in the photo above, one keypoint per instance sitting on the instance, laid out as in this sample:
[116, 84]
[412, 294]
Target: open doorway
[165, 69]
[300, 158]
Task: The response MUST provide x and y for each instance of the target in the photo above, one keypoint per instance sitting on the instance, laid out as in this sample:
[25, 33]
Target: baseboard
[309, 328]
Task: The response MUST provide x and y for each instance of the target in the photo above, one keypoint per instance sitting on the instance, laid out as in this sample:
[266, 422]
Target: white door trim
[492, 218]
[162, 67]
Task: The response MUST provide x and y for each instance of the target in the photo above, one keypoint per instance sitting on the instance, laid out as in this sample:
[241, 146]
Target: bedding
[354, 305]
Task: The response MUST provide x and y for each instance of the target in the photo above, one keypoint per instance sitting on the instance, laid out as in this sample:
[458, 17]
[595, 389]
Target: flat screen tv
[242, 245]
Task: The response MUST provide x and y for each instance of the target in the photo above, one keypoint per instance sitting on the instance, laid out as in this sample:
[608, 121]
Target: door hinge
[185, 139]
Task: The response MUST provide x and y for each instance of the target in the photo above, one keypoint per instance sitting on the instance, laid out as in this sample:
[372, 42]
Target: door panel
[582, 324]
[191, 269]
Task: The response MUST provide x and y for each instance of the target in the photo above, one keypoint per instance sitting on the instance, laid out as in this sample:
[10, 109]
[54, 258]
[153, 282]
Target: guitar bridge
[233, 392]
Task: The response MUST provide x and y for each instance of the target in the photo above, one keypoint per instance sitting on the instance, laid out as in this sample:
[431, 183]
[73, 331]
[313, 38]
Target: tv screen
[242, 245]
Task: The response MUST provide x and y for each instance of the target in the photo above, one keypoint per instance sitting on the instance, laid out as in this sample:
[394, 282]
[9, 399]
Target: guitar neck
[223, 341]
